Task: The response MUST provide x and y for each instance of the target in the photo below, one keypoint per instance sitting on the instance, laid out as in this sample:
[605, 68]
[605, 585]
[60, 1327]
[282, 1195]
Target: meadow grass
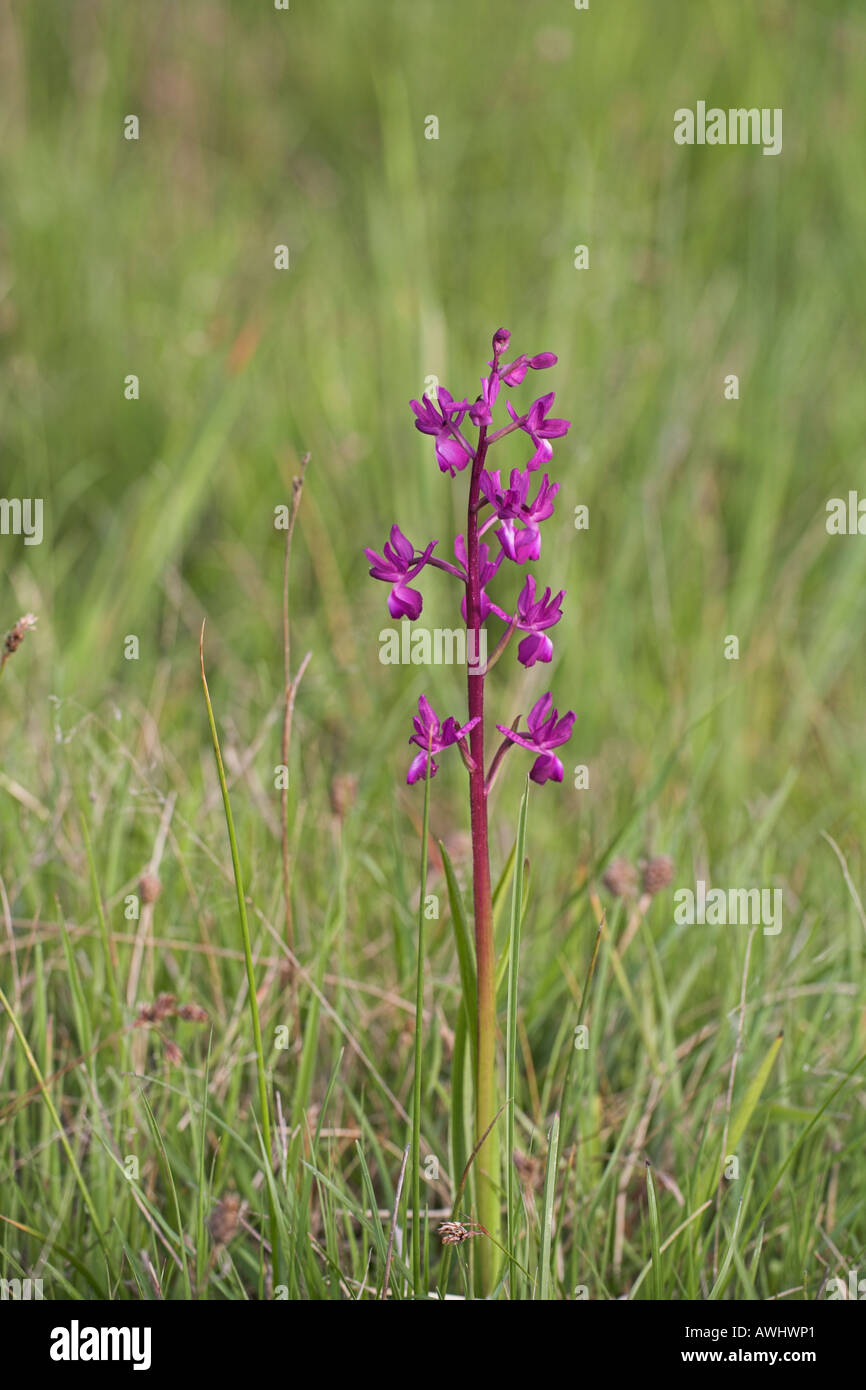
[155, 258]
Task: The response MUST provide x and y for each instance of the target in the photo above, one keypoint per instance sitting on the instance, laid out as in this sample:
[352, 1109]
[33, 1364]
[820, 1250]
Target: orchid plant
[503, 522]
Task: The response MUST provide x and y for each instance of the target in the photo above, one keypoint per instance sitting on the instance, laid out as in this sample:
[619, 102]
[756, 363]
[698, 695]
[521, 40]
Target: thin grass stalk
[61, 1132]
[107, 946]
[290, 691]
[511, 1022]
[248, 951]
[549, 1199]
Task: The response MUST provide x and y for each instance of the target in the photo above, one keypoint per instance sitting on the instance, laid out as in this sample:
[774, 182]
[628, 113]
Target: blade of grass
[61, 1132]
[655, 1232]
[719, 1285]
[548, 1200]
[511, 1020]
[107, 947]
[465, 949]
[739, 1121]
[248, 950]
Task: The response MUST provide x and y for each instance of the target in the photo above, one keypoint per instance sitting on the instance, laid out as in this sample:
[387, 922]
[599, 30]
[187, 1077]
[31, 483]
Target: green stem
[487, 1164]
[419, 1037]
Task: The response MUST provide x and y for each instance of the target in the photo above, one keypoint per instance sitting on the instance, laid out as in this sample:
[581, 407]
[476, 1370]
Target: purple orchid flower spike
[397, 566]
[432, 737]
[546, 731]
[534, 618]
[508, 511]
[443, 421]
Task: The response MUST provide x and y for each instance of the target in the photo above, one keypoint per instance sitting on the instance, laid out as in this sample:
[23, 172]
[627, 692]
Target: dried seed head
[164, 1006]
[620, 878]
[173, 1053]
[530, 1169]
[16, 635]
[149, 888]
[225, 1218]
[344, 790]
[193, 1013]
[454, 1232]
[658, 872]
[146, 1014]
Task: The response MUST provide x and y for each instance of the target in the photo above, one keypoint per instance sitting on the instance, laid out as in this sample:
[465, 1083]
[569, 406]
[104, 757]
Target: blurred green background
[156, 257]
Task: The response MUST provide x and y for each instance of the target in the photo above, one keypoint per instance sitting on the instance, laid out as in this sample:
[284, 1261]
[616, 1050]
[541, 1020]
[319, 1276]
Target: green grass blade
[655, 1233]
[511, 1019]
[248, 950]
[465, 950]
[547, 1219]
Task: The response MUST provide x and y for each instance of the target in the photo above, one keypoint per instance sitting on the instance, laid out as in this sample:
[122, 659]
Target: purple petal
[402, 546]
[554, 429]
[427, 714]
[404, 602]
[519, 545]
[515, 372]
[522, 739]
[562, 730]
[450, 455]
[543, 454]
[546, 768]
[535, 647]
[418, 769]
[539, 711]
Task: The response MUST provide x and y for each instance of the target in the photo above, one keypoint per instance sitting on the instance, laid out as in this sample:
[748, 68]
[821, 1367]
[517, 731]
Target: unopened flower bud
[501, 339]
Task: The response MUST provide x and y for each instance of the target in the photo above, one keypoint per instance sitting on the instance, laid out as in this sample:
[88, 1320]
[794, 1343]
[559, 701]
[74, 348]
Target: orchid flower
[397, 566]
[432, 737]
[546, 731]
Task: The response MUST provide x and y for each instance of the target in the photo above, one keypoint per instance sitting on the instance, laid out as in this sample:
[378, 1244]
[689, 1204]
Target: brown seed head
[620, 878]
[16, 635]
[344, 789]
[224, 1218]
[149, 888]
[193, 1013]
[164, 1006]
[658, 872]
[454, 1232]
